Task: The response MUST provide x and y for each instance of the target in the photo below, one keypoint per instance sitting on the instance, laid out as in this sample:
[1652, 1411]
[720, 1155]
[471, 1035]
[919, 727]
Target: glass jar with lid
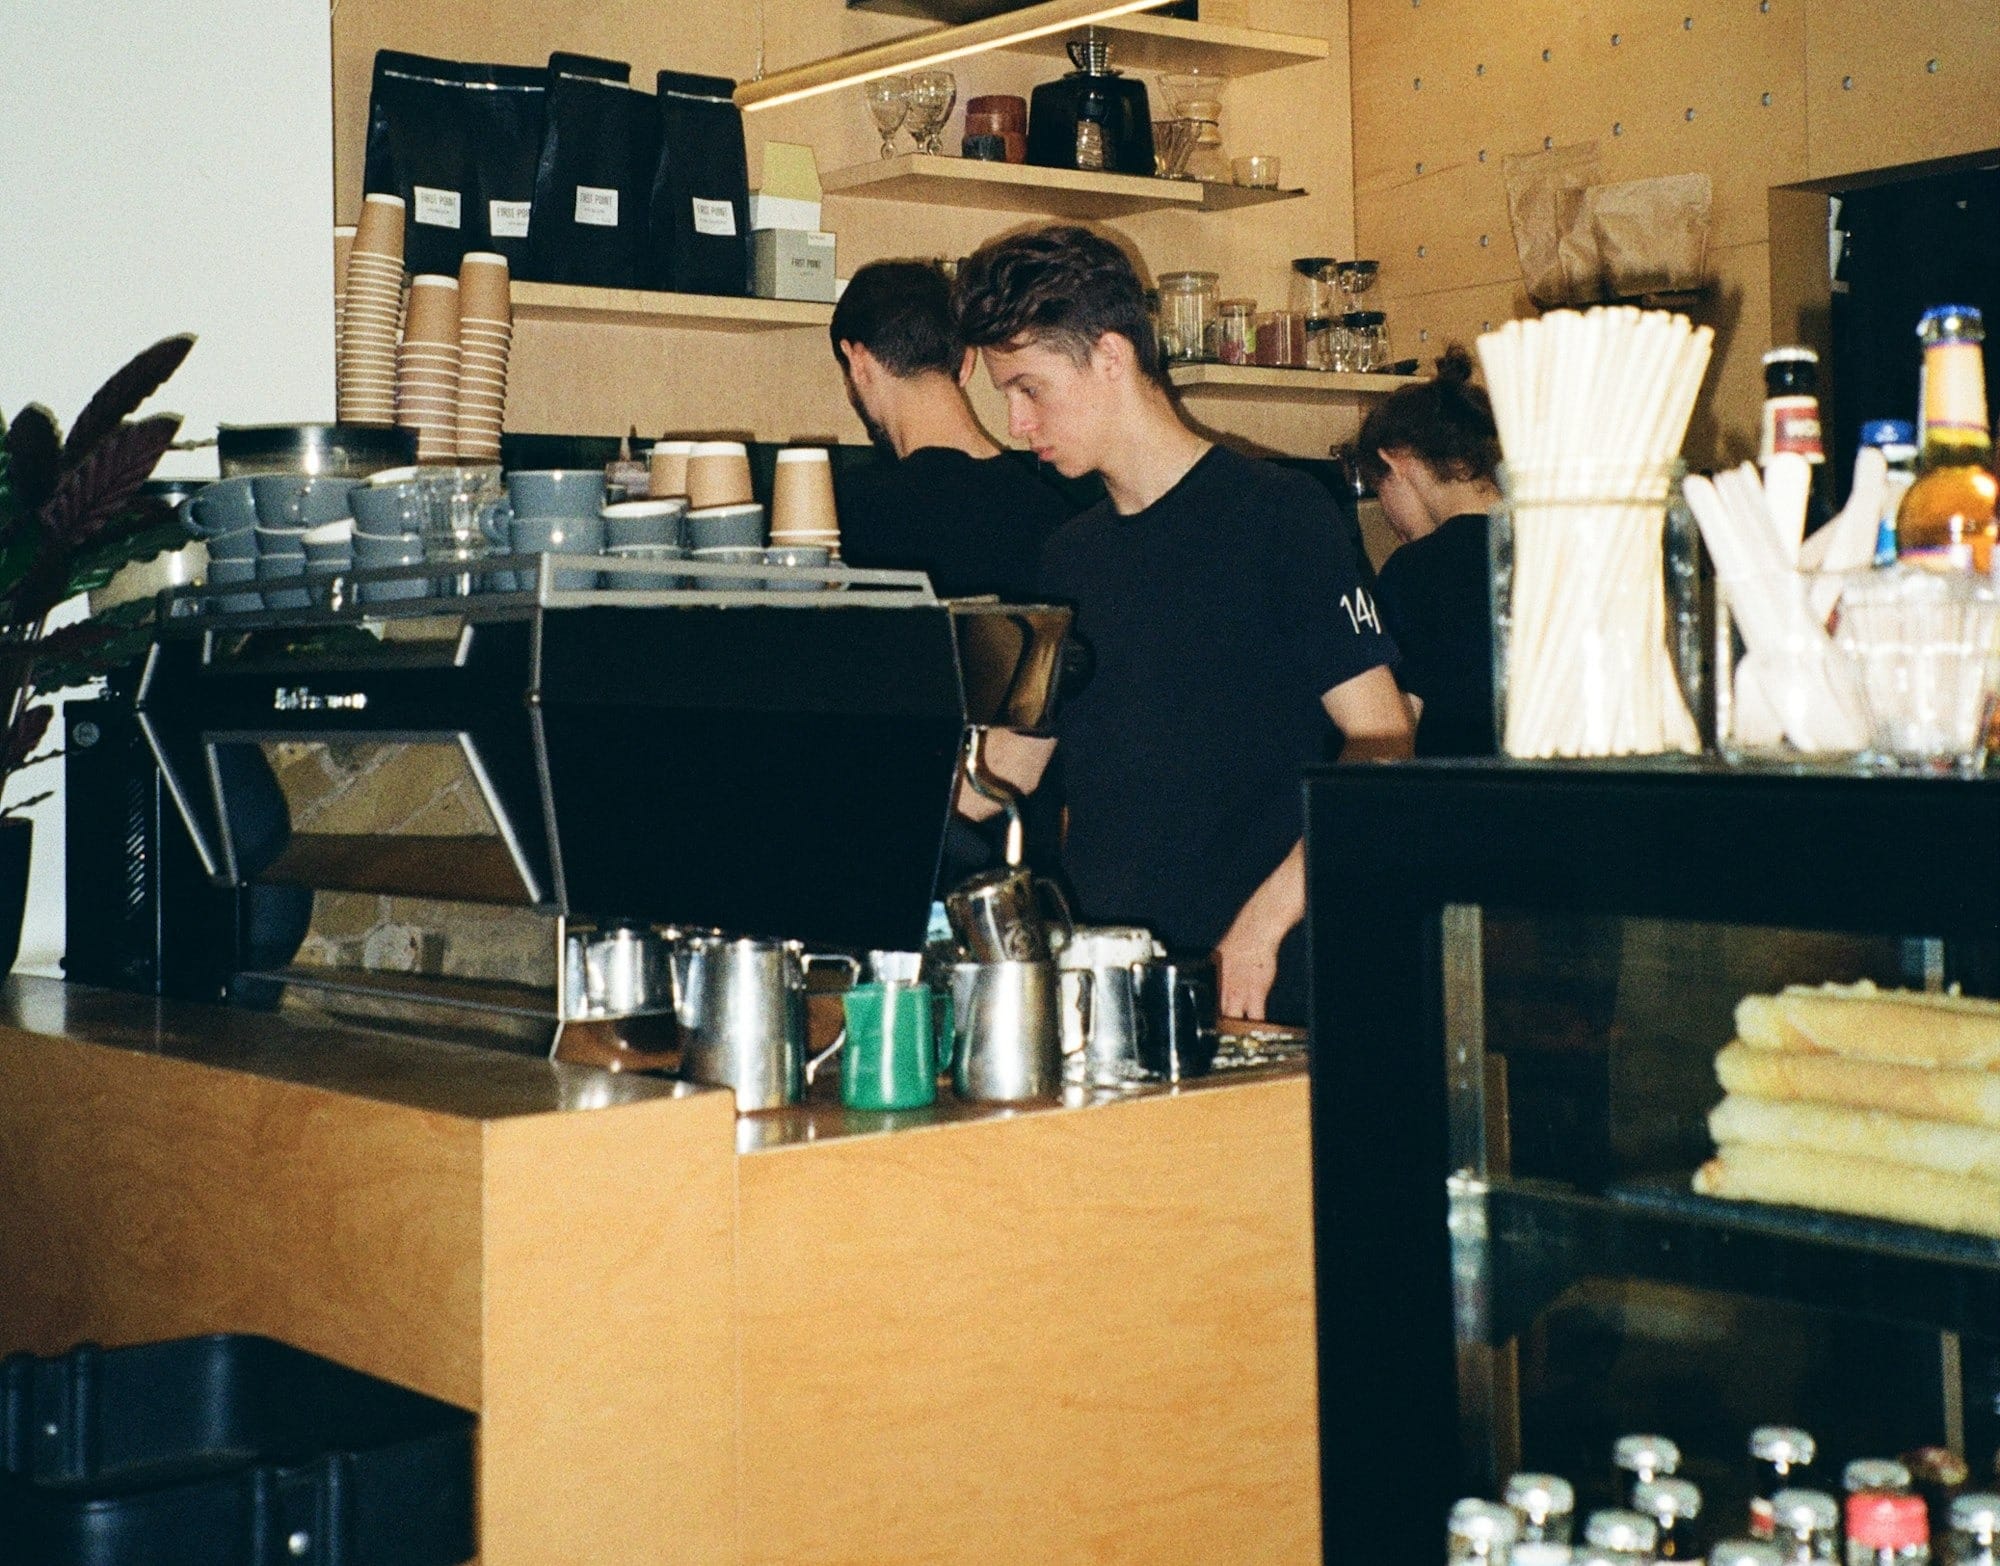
[1187, 316]
[1320, 333]
[1236, 331]
[1368, 333]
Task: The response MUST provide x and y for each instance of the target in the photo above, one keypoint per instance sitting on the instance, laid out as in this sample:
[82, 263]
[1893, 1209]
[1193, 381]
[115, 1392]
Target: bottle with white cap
[1641, 1457]
[1480, 1531]
[1745, 1552]
[1625, 1536]
[1808, 1527]
[1673, 1504]
[1975, 1530]
[1545, 1504]
[1875, 1473]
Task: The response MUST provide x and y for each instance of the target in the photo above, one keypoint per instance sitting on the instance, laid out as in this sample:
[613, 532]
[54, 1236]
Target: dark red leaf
[28, 732]
[104, 482]
[120, 397]
[34, 456]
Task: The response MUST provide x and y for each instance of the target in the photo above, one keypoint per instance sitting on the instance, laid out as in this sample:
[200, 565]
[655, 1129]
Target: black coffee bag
[417, 150]
[504, 113]
[600, 144]
[699, 234]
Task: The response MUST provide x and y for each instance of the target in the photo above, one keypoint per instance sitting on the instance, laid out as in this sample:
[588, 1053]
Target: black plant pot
[17, 838]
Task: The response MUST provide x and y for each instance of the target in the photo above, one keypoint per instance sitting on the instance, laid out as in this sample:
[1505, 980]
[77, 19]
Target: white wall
[170, 168]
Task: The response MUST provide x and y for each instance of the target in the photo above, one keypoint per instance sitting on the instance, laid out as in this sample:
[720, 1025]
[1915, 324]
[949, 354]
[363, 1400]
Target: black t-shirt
[976, 525]
[1436, 594]
[1217, 617]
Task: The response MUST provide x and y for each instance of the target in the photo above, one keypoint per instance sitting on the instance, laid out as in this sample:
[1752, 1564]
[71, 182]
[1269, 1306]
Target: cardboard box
[788, 195]
[788, 264]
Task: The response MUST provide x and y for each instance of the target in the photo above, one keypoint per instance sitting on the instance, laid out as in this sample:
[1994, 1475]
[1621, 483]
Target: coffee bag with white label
[600, 143]
[417, 150]
[699, 234]
[503, 111]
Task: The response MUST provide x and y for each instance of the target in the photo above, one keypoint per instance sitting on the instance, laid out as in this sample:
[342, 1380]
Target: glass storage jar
[1236, 331]
[1320, 332]
[1371, 340]
[1187, 316]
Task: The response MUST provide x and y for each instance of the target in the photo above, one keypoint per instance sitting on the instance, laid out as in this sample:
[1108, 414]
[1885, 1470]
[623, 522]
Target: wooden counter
[1077, 1333]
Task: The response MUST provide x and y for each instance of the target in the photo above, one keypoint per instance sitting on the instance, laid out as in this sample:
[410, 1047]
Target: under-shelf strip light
[925, 50]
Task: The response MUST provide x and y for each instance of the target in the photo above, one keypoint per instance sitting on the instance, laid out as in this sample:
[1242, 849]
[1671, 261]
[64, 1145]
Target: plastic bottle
[1885, 1528]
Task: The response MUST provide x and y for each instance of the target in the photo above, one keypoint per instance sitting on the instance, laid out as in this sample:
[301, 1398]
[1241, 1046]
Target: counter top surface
[415, 1069]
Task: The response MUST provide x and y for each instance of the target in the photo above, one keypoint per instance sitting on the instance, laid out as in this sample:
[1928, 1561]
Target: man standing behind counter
[1225, 611]
[952, 503]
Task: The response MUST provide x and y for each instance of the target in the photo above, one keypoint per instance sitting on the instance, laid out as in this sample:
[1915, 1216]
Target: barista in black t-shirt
[944, 498]
[1225, 612]
[1432, 451]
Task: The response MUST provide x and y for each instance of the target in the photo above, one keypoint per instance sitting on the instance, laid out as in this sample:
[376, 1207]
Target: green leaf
[147, 528]
[34, 451]
[120, 397]
[103, 483]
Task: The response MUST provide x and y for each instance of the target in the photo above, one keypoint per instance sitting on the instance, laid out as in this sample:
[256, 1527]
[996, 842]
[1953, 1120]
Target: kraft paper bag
[1545, 192]
[1652, 234]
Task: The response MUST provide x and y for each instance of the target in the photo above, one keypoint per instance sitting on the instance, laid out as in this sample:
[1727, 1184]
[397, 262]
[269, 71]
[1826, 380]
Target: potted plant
[72, 510]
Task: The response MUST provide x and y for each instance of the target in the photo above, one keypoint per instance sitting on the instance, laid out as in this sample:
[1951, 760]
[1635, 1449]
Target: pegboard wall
[1754, 93]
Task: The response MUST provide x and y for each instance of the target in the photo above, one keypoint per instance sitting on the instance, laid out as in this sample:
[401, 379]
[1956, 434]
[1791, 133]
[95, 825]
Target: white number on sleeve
[1361, 611]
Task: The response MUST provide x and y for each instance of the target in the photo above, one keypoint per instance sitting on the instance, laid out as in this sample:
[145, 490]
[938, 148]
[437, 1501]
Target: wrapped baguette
[1861, 1022]
[1967, 1098]
[1857, 1133]
[1866, 1186]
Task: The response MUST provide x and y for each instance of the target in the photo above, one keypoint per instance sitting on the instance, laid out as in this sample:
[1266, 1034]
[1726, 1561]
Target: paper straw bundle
[427, 368]
[485, 339]
[1591, 410]
[371, 315]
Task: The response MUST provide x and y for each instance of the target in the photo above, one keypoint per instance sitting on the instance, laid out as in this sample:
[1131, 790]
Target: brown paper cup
[483, 290]
[802, 492]
[718, 474]
[379, 229]
[433, 311]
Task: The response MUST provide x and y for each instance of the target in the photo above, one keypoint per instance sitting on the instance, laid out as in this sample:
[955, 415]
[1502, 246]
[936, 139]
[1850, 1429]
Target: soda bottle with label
[1948, 520]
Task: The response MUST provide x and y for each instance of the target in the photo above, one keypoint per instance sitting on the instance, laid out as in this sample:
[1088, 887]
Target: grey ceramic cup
[565, 535]
[726, 527]
[373, 552]
[290, 500]
[802, 558]
[645, 581]
[239, 545]
[275, 568]
[385, 509]
[229, 506]
[226, 572]
[280, 541]
[556, 492]
[332, 555]
[644, 522]
[730, 584]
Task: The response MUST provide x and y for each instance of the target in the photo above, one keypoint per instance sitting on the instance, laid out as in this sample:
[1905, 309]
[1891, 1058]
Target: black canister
[1177, 1012]
[1092, 118]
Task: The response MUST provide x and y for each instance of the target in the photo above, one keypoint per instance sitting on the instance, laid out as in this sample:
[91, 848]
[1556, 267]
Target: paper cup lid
[718, 448]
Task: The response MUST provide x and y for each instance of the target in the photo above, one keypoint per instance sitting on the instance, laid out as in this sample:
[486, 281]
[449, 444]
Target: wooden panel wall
[1069, 1337]
[599, 379]
[1756, 93]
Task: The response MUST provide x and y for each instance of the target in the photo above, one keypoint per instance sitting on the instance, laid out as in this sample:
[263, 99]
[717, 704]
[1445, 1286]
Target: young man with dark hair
[945, 498]
[1220, 596]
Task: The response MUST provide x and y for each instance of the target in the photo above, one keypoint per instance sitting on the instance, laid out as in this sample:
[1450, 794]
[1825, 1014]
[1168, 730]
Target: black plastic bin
[226, 1450]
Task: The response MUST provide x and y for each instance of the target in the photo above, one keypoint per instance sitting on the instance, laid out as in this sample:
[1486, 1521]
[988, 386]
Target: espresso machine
[627, 762]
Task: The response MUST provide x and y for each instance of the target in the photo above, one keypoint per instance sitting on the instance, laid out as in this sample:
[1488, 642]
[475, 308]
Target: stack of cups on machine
[804, 528]
[485, 336]
[371, 315]
[427, 367]
[725, 525]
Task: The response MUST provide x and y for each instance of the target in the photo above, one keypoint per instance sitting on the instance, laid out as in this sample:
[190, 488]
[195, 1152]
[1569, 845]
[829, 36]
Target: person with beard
[945, 498]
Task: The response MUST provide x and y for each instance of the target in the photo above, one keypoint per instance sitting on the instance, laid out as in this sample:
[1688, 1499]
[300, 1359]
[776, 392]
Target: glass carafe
[1197, 95]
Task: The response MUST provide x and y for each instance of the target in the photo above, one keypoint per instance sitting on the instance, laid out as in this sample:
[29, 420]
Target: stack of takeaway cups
[802, 513]
[371, 315]
[485, 336]
[427, 368]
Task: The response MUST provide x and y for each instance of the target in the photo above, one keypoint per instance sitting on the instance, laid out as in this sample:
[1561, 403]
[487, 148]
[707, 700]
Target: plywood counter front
[1070, 1334]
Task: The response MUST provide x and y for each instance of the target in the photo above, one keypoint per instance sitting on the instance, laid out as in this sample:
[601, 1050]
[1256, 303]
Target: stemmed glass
[889, 101]
[932, 93]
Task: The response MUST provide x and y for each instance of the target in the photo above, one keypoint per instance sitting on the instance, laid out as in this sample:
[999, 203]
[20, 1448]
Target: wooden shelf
[1160, 43]
[1255, 380]
[644, 307]
[1021, 187]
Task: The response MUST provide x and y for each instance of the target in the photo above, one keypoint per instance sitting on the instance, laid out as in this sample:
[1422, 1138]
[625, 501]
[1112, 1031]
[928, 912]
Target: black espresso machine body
[770, 764]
